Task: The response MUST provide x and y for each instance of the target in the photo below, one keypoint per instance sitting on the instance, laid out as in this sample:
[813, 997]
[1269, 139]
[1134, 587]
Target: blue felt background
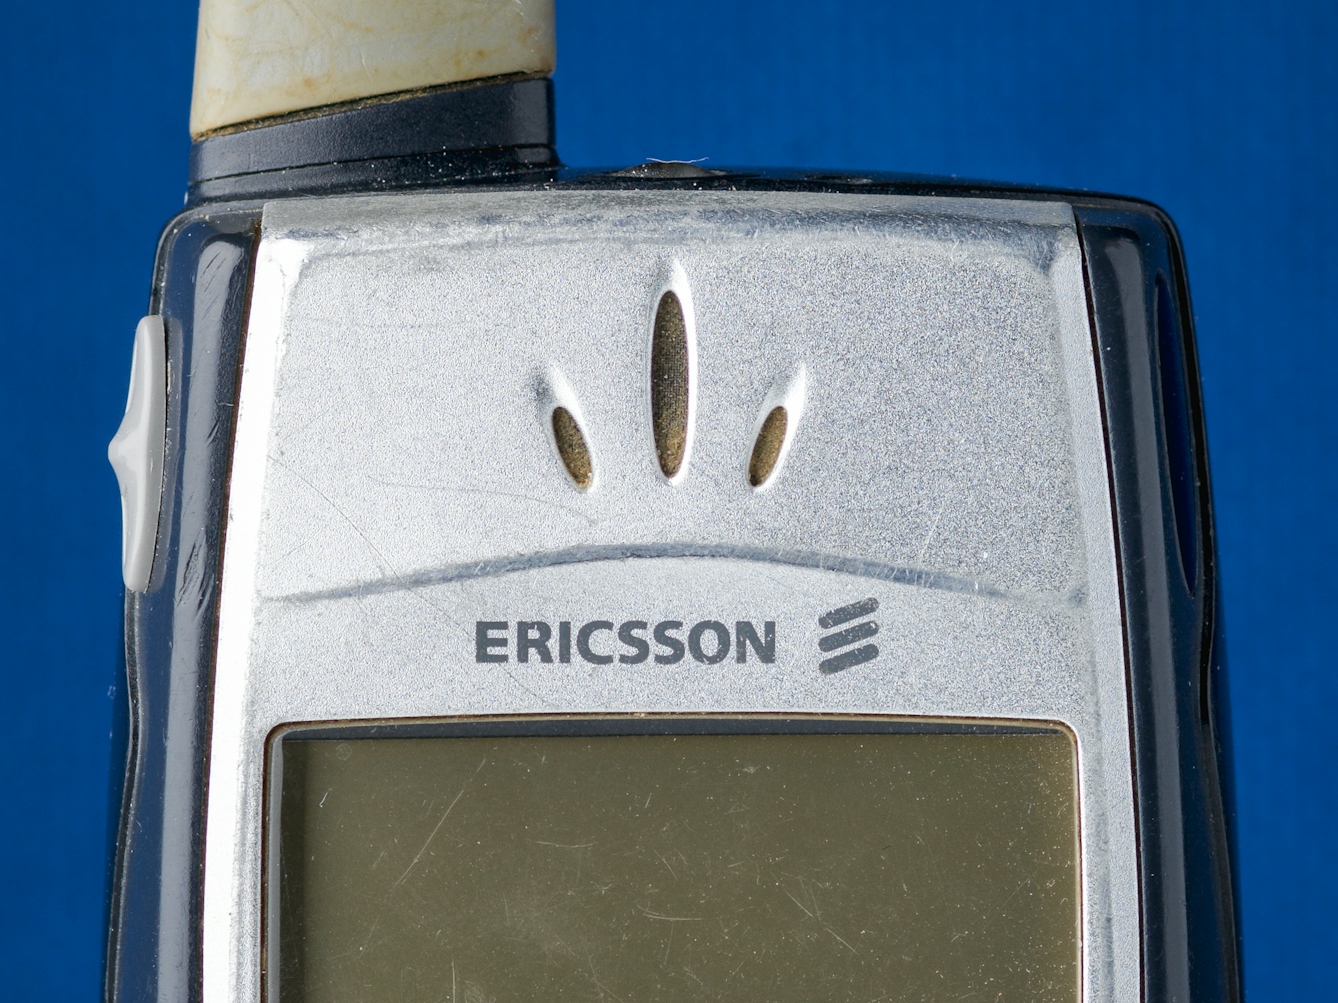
[1223, 112]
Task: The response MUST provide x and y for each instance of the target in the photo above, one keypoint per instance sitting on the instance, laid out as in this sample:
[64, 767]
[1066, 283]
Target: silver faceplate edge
[1111, 969]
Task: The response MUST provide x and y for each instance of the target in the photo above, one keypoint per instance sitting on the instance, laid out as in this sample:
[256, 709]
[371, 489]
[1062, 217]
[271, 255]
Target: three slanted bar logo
[848, 636]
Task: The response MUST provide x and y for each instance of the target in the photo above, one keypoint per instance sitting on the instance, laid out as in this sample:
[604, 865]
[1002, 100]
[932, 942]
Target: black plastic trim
[1191, 946]
[485, 115]
[201, 290]
[510, 164]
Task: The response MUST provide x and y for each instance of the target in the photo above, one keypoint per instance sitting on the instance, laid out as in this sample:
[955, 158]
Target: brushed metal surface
[395, 480]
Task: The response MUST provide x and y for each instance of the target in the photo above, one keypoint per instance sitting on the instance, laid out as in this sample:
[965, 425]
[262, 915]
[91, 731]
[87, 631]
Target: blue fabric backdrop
[1224, 113]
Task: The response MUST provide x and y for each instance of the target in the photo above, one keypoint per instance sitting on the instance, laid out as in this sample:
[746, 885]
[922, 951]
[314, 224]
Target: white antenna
[256, 59]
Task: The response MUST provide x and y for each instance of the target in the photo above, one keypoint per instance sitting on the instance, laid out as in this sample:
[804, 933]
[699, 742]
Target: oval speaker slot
[572, 448]
[767, 448]
[669, 387]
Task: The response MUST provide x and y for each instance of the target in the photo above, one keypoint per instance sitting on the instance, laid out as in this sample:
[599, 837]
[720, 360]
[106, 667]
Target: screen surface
[626, 869]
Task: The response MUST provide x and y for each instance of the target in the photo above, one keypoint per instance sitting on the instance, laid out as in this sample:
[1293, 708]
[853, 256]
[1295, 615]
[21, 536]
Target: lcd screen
[672, 868]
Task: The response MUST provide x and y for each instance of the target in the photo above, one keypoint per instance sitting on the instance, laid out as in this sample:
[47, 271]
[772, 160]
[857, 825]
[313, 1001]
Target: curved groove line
[583, 555]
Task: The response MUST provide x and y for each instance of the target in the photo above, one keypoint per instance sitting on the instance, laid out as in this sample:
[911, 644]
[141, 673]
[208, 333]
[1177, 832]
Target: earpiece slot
[767, 447]
[572, 449]
[670, 384]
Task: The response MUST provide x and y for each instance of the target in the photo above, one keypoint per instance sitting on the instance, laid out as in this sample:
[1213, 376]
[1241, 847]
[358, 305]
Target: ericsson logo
[848, 636]
[599, 642]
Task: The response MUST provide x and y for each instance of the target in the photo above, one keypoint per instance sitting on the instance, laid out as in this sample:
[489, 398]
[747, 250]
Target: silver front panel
[395, 481]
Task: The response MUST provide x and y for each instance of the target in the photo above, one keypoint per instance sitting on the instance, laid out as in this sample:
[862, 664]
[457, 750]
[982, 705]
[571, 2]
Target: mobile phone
[662, 583]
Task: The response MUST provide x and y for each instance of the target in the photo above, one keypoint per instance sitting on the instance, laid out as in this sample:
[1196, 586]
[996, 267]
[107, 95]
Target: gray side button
[136, 452]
